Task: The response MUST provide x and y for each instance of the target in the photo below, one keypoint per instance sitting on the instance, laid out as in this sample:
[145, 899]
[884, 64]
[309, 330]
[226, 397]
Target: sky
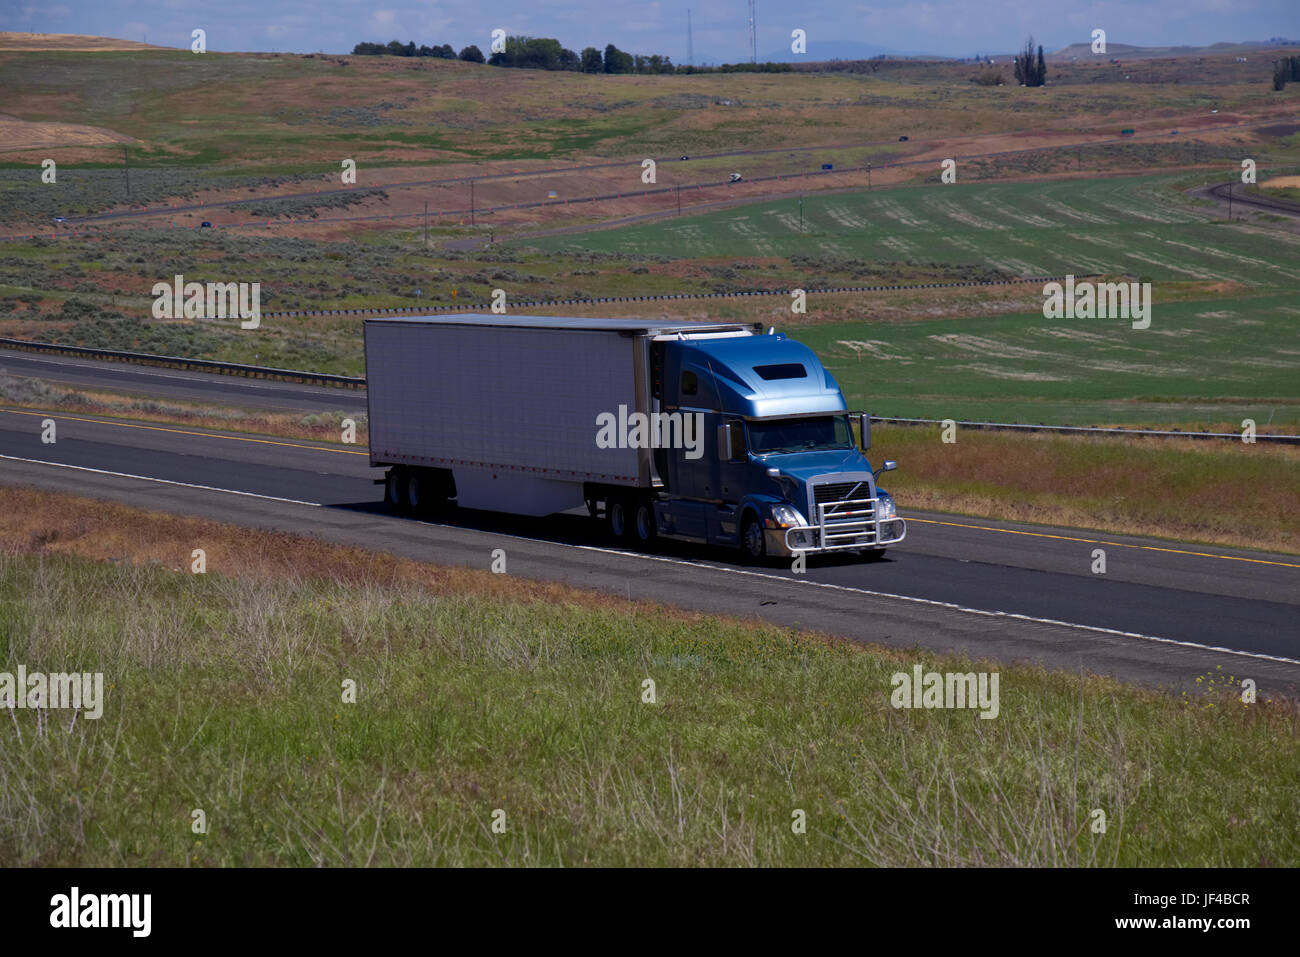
[944, 27]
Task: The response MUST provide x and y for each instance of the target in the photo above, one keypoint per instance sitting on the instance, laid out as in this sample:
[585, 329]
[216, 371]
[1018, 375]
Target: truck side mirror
[864, 431]
[886, 466]
[724, 442]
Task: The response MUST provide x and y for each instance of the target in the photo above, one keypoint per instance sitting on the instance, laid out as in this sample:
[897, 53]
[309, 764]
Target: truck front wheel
[752, 541]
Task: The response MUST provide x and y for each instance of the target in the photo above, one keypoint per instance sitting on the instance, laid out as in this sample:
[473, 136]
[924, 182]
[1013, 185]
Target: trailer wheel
[752, 541]
[417, 492]
[394, 484]
[616, 514]
[643, 524]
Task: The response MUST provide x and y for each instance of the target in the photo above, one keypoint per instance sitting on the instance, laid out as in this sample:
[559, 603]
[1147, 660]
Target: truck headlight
[885, 505]
[784, 516]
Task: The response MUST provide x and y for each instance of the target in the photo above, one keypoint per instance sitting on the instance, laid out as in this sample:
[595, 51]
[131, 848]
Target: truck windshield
[800, 435]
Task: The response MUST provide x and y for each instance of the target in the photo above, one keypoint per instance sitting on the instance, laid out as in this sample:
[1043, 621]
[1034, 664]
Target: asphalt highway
[1162, 614]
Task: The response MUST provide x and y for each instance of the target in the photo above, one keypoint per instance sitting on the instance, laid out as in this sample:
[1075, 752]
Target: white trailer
[508, 404]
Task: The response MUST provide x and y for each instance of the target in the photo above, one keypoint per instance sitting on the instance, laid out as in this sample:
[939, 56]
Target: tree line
[396, 48]
[1031, 70]
[1285, 69]
[544, 53]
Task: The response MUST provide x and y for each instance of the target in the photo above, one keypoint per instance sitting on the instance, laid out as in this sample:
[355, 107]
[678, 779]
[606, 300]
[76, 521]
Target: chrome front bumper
[843, 526]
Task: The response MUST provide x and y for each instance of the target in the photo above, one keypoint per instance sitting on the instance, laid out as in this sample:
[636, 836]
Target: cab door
[731, 470]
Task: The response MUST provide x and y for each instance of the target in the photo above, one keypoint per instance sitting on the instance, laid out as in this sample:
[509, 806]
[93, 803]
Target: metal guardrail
[322, 378]
[181, 362]
[1089, 430]
[326, 378]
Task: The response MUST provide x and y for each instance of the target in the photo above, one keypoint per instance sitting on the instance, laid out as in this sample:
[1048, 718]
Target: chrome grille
[845, 514]
[831, 492]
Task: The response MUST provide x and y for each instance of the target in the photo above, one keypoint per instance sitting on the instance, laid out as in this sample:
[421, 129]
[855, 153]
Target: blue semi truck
[705, 432]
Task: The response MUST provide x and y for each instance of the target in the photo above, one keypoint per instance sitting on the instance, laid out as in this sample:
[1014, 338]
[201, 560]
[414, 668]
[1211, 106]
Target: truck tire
[416, 492]
[873, 554]
[753, 543]
[618, 518]
[644, 531]
[395, 488]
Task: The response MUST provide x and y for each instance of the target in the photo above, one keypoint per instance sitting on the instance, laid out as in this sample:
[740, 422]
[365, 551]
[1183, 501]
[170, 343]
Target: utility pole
[753, 39]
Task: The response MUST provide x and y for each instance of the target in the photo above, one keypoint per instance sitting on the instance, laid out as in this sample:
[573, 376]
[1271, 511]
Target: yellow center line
[206, 435]
[1095, 541]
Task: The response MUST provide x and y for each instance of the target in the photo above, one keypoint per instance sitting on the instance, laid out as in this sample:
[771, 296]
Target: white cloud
[383, 18]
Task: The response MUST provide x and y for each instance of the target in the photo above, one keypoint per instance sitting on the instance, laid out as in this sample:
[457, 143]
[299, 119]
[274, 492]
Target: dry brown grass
[117, 406]
[18, 135]
[1198, 491]
[11, 40]
[35, 522]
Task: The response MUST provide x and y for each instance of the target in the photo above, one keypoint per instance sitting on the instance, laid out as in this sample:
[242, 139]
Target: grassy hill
[480, 695]
[286, 113]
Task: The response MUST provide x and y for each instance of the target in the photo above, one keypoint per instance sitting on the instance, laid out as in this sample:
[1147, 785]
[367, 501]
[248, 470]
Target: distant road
[159, 383]
[1163, 613]
[1231, 192]
[130, 214]
[453, 180]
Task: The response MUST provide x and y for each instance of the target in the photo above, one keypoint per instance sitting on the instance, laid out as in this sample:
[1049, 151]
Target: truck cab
[709, 432]
[785, 473]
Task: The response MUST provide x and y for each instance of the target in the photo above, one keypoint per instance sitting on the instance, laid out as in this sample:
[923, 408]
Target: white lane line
[912, 598]
[150, 478]
[734, 571]
[955, 607]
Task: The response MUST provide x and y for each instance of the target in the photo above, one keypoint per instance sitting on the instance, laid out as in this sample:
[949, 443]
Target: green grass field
[1133, 225]
[1200, 363]
[1210, 356]
[224, 695]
